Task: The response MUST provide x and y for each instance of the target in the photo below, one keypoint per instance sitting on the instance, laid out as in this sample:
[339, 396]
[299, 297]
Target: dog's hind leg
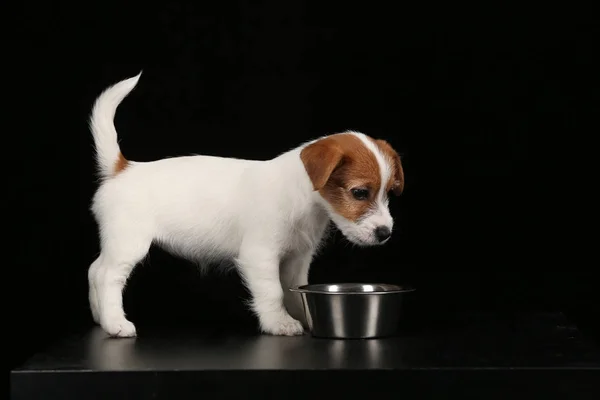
[122, 249]
[93, 290]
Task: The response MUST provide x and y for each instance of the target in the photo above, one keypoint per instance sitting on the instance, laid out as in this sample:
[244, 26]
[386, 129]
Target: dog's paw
[284, 325]
[119, 327]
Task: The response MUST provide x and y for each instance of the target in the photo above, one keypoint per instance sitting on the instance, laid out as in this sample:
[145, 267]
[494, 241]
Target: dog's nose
[382, 233]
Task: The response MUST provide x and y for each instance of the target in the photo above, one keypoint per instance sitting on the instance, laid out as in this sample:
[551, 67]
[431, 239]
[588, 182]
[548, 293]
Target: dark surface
[541, 353]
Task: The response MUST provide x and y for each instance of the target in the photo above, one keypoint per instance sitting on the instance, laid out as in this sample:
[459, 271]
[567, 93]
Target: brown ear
[398, 186]
[320, 159]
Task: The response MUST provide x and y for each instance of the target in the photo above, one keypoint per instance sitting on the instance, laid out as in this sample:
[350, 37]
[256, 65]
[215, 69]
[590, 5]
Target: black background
[482, 103]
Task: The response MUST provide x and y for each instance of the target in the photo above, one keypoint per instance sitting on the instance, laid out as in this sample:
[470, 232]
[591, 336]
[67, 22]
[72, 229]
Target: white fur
[262, 215]
[102, 125]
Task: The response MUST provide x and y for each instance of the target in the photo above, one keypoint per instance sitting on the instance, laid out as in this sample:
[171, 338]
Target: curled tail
[109, 159]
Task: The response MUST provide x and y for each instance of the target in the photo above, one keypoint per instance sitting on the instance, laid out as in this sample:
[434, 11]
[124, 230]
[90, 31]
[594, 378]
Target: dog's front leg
[294, 272]
[259, 268]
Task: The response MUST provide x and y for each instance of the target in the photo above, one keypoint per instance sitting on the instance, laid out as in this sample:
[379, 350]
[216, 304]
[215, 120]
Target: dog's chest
[306, 232]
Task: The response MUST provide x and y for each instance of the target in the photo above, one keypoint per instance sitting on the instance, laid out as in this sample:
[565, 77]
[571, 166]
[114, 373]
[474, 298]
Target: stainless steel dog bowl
[352, 310]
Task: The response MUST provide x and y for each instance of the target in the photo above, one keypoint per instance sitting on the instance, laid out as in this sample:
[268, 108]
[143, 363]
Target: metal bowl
[352, 310]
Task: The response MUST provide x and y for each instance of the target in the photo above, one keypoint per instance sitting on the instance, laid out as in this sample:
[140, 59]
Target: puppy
[268, 217]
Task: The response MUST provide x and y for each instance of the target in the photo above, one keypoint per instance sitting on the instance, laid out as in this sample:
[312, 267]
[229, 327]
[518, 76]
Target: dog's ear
[320, 159]
[398, 186]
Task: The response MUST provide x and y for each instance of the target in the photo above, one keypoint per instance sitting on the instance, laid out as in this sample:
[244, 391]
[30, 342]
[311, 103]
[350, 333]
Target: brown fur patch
[120, 164]
[339, 163]
[396, 182]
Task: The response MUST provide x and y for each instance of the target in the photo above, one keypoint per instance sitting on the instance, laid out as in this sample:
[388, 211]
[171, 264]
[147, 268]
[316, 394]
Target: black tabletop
[544, 342]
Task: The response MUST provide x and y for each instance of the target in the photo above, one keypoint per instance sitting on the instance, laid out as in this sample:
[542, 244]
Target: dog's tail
[109, 159]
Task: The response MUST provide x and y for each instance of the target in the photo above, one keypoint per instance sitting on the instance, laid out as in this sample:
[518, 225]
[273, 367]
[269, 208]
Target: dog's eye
[360, 194]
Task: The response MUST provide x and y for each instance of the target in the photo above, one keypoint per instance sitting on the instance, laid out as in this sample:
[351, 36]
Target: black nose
[382, 233]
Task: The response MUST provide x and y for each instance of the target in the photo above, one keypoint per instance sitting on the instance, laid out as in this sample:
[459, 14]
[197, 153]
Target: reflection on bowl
[352, 310]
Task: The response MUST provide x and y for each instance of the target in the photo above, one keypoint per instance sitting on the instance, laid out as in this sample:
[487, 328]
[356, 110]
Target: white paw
[284, 325]
[119, 327]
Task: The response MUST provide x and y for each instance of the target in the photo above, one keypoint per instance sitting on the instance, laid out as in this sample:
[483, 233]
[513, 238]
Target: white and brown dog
[268, 217]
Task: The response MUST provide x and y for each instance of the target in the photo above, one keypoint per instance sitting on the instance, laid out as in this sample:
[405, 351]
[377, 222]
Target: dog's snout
[382, 233]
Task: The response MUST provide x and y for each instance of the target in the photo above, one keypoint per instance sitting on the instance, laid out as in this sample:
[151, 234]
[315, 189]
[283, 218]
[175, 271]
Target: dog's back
[168, 200]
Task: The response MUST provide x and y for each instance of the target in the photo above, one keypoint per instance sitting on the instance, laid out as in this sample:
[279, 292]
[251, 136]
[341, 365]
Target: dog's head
[353, 174]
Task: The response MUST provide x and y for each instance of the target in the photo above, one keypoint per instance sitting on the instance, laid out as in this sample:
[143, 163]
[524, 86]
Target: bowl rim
[306, 289]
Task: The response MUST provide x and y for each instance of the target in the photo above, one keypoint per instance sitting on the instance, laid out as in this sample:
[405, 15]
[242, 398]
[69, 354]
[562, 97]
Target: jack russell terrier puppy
[268, 217]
